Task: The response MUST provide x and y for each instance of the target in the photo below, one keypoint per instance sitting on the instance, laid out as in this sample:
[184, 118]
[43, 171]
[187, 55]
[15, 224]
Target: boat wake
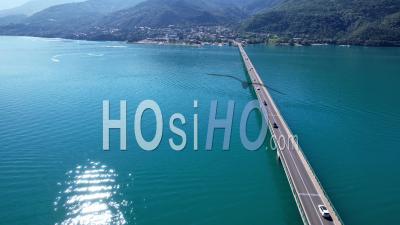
[114, 46]
[55, 58]
[95, 55]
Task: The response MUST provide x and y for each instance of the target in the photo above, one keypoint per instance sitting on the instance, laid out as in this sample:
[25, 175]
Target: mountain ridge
[352, 21]
[31, 7]
[344, 21]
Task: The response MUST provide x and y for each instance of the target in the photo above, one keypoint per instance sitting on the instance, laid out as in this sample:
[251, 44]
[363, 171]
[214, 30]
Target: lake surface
[342, 102]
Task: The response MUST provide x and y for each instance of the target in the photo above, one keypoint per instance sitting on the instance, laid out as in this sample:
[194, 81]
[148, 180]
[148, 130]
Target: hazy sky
[5, 4]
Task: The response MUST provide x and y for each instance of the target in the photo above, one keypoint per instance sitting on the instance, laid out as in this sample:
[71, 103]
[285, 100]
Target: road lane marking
[295, 164]
[305, 194]
[302, 180]
[263, 95]
[252, 72]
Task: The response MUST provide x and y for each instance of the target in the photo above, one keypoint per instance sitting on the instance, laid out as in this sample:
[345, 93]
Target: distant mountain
[67, 20]
[257, 6]
[161, 13]
[248, 6]
[33, 7]
[371, 22]
[6, 20]
[85, 19]
[353, 21]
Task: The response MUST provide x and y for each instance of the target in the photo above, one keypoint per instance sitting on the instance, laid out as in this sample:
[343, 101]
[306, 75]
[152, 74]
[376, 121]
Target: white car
[324, 211]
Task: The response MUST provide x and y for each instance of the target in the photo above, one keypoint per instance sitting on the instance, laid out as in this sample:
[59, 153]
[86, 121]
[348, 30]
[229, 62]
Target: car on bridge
[324, 211]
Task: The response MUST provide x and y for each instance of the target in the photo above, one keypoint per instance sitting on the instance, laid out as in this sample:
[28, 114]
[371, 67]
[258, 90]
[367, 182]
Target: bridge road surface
[305, 187]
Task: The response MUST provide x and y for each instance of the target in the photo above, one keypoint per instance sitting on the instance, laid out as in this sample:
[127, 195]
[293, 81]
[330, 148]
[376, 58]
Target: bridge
[307, 190]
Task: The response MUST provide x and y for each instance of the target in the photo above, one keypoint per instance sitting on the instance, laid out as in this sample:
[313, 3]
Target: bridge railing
[300, 150]
[302, 155]
[287, 173]
[289, 177]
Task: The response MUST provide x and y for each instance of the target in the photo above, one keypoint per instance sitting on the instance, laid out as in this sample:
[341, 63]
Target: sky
[6, 4]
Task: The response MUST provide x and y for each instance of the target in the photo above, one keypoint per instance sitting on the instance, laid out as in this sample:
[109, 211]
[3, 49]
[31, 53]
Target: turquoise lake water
[341, 102]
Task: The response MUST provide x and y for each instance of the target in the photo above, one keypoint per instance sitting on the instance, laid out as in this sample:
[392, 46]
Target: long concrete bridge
[306, 188]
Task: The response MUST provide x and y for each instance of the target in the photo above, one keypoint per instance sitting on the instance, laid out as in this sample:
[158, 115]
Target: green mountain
[161, 13]
[123, 24]
[33, 7]
[249, 7]
[94, 18]
[6, 20]
[67, 20]
[366, 22]
[371, 22]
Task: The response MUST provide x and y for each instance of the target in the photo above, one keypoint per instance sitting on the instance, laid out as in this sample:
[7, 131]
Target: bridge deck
[306, 188]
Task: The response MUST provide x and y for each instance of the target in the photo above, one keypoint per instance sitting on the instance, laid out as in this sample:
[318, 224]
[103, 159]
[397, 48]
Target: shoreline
[212, 44]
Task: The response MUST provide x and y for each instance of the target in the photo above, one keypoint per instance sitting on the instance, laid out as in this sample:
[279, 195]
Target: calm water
[340, 101]
[344, 105]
